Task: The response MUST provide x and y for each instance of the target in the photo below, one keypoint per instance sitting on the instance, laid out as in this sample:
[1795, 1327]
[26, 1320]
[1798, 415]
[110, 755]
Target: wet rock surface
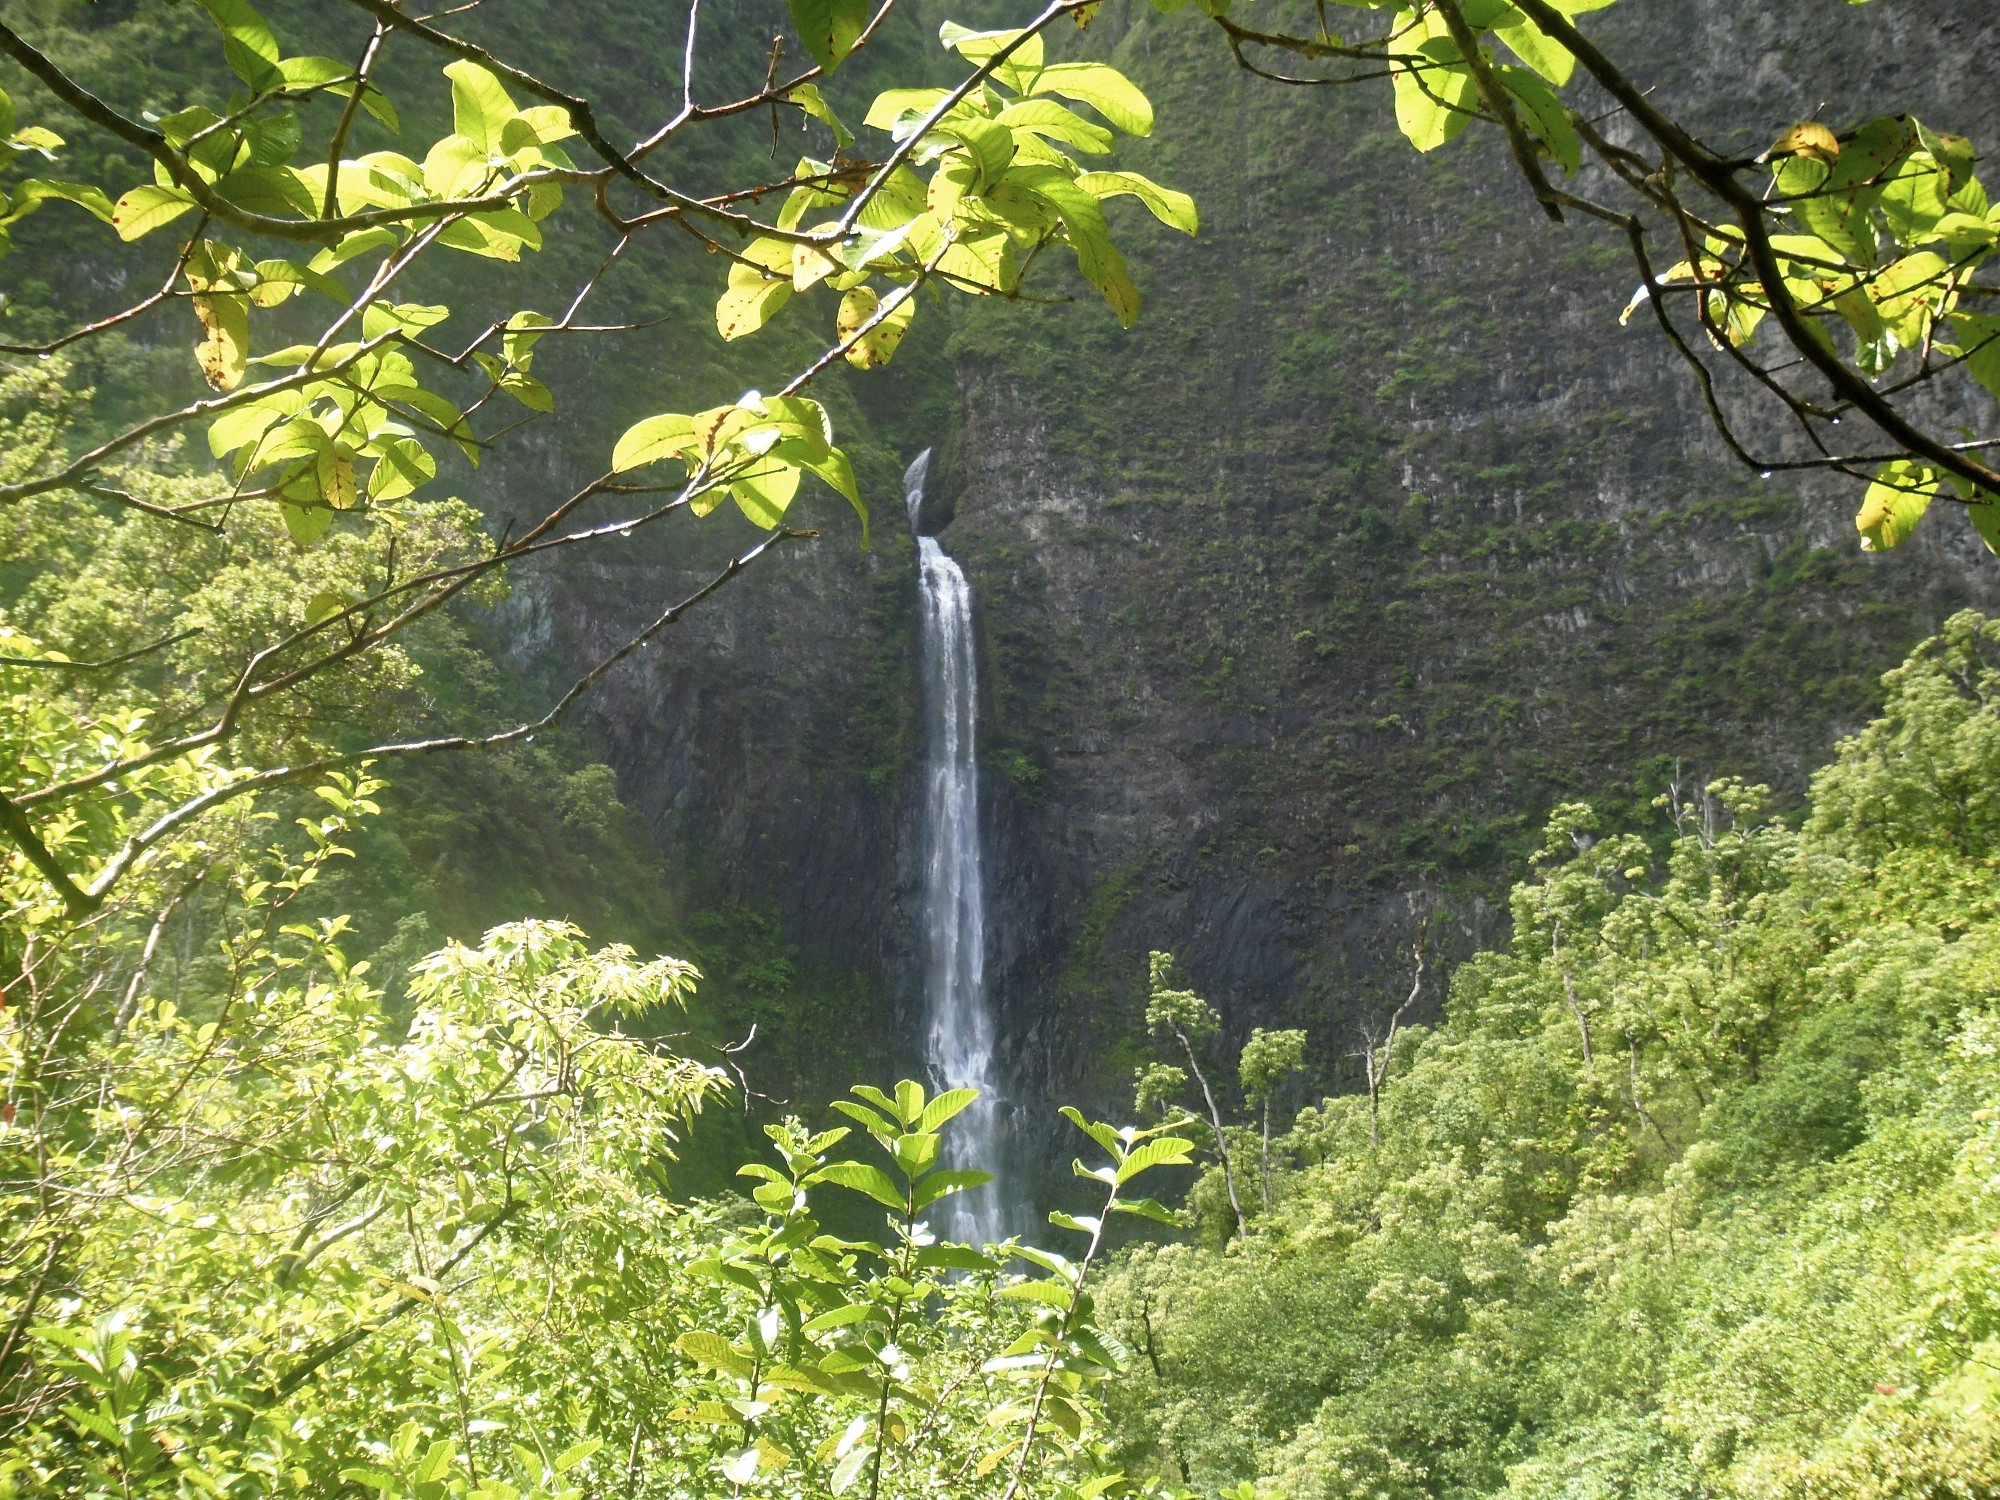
[1299, 604]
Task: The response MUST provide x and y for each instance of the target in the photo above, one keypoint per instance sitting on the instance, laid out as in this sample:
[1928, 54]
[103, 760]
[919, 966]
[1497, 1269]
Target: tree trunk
[1215, 1121]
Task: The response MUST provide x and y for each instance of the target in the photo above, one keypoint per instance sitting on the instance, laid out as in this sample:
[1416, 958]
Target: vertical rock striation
[1302, 601]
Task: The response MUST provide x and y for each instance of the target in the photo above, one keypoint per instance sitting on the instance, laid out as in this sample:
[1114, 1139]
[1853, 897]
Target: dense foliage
[270, 1232]
[1691, 1193]
[1694, 1191]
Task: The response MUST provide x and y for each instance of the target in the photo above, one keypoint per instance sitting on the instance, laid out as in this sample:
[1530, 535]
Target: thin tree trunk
[1376, 1063]
[1267, 1153]
[1215, 1120]
[1569, 989]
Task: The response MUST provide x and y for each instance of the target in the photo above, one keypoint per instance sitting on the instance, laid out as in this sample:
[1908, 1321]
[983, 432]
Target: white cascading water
[958, 1028]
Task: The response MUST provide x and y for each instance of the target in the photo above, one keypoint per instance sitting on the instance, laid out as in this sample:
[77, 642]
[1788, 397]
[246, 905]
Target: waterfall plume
[958, 1027]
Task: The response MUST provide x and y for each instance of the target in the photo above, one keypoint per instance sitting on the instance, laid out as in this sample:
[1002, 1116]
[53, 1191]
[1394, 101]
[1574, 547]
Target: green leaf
[871, 1121]
[1834, 217]
[246, 423]
[980, 46]
[312, 72]
[843, 1317]
[861, 1177]
[1175, 210]
[36, 138]
[334, 471]
[527, 390]
[1161, 1151]
[247, 43]
[144, 209]
[1146, 1208]
[1979, 334]
[1048, 1293]
[829, 28]
[1528, 42]
[1088, 235]
[848, 1470]
[716, 1352]
[1895, 502]
[1545, 116]
[1104, 89]
[808, 98]
[404, 466]
[1434, 90]
[829, 464]
[759, 285]
[985, 263]
[765, 493]
[240, 22]
[1957, 155]
[1985, 511]
[989, 144]
[480, 107]
[325, 605]
[1104, 1135]
[1870, 151]
[954, 1258]
[35, 191]
[944, 1184]
[1045, 117]
[437, 1458]
[895, 105]
[1909, 292]
[306, 523]
[916, 1151]
[1913, 200]
[497, 234]
[273, 192]
[945, 1107]
[651, 441]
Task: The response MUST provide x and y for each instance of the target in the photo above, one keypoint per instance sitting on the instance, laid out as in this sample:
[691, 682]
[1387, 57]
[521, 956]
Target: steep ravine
[1300, 603]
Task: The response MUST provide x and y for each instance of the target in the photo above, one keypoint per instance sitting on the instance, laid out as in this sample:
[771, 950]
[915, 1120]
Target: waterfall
[958, 1028]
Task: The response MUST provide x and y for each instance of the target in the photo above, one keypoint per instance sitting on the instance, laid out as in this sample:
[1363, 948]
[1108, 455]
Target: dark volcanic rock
[1301, 602]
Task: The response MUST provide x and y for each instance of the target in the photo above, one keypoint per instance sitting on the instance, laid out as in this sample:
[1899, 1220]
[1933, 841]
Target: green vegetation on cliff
[311, 1186]
[1694, 1191]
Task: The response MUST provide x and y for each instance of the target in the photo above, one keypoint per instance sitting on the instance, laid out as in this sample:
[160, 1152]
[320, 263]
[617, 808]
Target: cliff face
[1301, 602]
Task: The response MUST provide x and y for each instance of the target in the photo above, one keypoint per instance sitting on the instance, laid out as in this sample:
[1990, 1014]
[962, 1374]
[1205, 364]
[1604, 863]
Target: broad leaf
[1175, 210]
[829, 28]
[1434, 90]
[224, 350]
[861, 1177]
[1104, 89]
[1895, 502]
[480, 107]
[651, 440]
[1544, 115]
[144, 209]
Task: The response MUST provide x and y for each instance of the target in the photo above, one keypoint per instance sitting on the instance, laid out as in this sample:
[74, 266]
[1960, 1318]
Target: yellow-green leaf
[480, 108]
[1104, 89]
[651, 440]
[224, 350]
[1895, 502]
[146, 208]
[1175, 210]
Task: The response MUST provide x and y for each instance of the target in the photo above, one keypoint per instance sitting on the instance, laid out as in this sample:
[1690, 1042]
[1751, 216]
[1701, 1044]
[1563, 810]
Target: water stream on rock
[958, 1028]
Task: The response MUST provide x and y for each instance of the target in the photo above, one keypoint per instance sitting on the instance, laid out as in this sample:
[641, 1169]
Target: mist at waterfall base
[958, 1027]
